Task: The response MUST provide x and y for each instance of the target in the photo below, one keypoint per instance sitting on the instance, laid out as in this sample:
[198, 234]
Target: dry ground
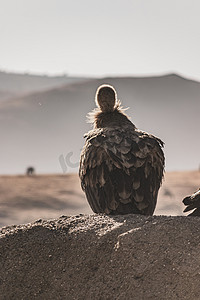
[25, 199]
[98, 257]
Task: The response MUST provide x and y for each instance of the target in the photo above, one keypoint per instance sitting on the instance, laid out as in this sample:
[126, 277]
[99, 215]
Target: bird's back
[121, 170]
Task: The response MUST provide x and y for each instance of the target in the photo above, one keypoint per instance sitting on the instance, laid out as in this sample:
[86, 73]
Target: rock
[101, 257]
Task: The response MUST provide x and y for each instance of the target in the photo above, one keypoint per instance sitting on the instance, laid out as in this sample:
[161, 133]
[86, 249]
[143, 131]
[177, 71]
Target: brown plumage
[121, 167]
[193, 203]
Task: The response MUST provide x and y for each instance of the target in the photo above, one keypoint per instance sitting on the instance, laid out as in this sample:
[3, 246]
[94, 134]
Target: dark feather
[193, 202]
[121, 177]
[195, 213]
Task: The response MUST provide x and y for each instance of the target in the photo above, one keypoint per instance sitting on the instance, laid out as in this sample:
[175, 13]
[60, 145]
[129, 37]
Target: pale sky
[99, 38]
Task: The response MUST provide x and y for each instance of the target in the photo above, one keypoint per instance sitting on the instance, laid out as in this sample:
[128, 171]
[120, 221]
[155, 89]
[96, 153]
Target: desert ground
[25, 199]
[101, 257]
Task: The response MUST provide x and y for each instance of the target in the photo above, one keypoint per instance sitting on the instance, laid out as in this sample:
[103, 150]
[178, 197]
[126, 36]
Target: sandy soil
[102, 257]
[25, 199]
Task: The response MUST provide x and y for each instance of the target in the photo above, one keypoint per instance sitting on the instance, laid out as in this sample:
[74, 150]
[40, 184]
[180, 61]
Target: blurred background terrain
[28, 198]
[54, 54]
[47, 120]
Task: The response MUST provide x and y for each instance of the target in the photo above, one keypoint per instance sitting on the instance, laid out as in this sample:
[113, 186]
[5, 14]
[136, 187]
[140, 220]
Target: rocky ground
[101, 257]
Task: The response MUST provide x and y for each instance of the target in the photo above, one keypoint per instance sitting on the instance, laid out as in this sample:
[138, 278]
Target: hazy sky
[91, 37]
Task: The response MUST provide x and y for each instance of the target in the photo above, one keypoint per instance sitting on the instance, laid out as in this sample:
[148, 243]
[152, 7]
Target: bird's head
[106, 98]
[109, 112]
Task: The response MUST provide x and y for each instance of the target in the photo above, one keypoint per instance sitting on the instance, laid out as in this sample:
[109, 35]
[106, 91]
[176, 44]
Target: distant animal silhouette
[168, 193]
[30, 171]
[193, 202]
[121, 167]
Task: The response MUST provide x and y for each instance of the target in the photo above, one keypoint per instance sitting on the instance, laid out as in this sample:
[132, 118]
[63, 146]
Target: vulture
[193, 202]
[121, 167]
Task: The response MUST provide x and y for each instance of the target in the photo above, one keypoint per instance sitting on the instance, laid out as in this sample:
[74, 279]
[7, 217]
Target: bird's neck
[116, 118]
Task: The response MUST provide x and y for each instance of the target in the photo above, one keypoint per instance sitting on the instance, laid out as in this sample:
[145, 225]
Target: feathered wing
[121, 171]
[193, 202]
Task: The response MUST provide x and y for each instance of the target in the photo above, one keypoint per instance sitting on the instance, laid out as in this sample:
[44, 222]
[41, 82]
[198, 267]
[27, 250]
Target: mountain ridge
[48, 124]
[24, 83]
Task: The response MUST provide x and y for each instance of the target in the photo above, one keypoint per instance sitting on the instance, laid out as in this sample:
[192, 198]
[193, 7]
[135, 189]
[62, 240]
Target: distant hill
[39, 128]
[6, 95]
[13, 84]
